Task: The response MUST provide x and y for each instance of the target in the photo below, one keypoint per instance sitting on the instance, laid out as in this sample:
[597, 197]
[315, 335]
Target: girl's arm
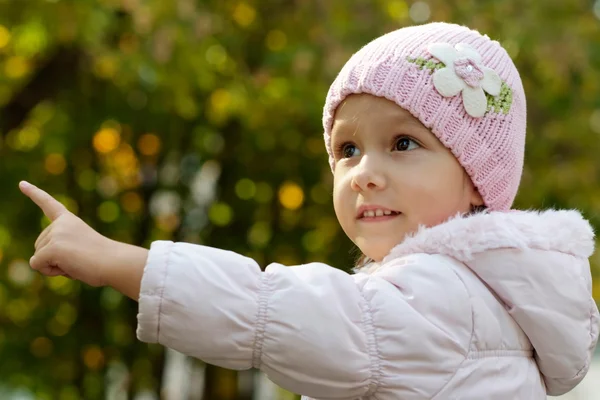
[124, 272]
[313, 329]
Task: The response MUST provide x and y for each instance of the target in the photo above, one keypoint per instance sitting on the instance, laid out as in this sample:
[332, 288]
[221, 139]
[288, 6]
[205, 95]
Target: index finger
[51, 207]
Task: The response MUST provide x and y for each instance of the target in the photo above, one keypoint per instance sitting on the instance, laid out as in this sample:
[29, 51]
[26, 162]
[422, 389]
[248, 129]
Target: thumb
[51, 207]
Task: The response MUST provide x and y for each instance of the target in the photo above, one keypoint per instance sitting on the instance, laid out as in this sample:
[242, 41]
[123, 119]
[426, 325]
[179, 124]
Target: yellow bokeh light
[16, 67]
[245, 189]
[66, 314]
[4, 36]
[18, 311]
[168, 222]
[277, 88]
[149, 144]
[244, 14]
[55, 163]
[60, 285]
[220, 214]
[56, 328]
[220, 105]
[108, 211]
[106, 140]
[93, 357]
[125, 158]
[87, 179]
[397, 9]
[260, 234]
[41, 347]
[27, 138]
[291, 195]
[220, 100]
[31, 40]
[106, 67]
[186, 107]
[121, 333]
[216, 55]
[131, 202]
[126, 164]
[276, 40]
[313, 241]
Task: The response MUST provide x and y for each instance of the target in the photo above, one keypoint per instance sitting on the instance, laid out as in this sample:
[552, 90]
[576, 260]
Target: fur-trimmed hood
[565, 231]
[537, 264]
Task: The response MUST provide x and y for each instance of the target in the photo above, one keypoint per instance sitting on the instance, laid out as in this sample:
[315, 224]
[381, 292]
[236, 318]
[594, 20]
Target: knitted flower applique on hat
[464, 72]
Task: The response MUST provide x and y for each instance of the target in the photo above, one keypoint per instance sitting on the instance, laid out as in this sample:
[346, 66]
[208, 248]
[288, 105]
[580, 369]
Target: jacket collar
[462, 237]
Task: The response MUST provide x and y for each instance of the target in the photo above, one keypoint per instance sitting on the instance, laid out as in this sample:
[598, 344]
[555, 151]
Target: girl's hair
[363, 260]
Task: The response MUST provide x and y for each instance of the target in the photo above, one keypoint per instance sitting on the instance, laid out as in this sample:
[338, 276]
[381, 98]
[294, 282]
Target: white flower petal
[475, 101]
[443, 52]
[465, 50]
[491, 82]
[447, 83]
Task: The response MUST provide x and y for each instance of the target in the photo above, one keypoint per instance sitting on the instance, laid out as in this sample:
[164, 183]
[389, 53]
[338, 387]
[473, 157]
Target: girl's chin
[376, 254]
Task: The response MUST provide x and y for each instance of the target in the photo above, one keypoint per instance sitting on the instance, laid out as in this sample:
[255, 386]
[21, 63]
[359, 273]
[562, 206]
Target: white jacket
[491, 306]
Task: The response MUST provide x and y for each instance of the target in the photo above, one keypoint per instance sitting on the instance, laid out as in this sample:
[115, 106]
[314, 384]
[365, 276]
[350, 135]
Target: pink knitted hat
[461, 85]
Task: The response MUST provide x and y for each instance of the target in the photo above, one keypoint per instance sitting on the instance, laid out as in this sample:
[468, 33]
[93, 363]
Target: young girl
[457, 296]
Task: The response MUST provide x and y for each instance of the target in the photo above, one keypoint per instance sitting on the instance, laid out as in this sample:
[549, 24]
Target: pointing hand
[68, 246]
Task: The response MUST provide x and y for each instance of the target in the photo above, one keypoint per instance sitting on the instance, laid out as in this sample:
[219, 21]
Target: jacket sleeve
[312, 329]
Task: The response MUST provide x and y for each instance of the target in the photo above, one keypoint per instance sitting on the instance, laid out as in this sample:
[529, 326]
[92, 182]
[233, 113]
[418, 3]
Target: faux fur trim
[565, 231]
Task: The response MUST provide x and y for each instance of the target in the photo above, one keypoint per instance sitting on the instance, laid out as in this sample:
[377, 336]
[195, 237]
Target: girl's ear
[475, 198]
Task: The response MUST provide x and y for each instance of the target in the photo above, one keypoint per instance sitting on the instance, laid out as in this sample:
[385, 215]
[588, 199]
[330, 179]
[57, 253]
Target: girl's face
[392, 175]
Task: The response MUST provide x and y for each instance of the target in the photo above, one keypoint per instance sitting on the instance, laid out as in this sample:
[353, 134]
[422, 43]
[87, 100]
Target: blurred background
[200, 121]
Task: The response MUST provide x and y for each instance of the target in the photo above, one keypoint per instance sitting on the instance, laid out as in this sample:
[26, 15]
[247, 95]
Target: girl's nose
[368, 175]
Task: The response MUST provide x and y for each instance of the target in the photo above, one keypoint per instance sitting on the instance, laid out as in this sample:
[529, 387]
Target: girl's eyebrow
[411, 127]
[342, 128]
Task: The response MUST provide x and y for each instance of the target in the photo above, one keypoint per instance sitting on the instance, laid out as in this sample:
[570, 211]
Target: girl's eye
[405, 144]
[348, 150]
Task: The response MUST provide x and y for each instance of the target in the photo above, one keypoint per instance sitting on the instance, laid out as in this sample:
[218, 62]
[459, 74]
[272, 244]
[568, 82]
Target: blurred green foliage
[201, 121]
